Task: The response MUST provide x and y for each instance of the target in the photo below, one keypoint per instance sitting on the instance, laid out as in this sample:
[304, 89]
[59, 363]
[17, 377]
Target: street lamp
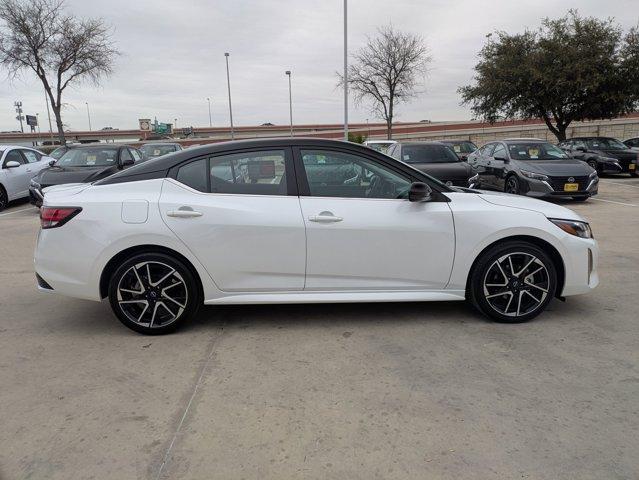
[290, 99]
[345, 71]
[88, 115]
[208, 99]
[228, 83]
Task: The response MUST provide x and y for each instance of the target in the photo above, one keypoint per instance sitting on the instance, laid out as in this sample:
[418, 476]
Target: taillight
[52, 217]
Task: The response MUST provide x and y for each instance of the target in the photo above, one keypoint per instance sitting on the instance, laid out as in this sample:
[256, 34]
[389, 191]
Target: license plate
[571, 187]
[632, 166]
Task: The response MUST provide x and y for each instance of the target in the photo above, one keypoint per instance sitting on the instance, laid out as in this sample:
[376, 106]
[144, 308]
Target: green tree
[570, 69]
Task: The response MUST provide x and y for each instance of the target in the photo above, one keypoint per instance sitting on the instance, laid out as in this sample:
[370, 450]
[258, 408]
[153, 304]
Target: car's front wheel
[512, 185]
[513, 282]
[4, 199]
[153, 293]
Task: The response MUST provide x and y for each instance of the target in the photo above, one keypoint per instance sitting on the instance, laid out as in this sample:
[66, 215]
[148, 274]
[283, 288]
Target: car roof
[160, 143]
[591, 138]
[523, 139]
[454, 141]
[97, 145]
[424, 142]
[4, 147]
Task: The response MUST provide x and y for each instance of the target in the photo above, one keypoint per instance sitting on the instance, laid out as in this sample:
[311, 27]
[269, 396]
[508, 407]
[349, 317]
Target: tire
[593, 164]
[4, 199]
[485, 287]
[160, 306]
[512, 185]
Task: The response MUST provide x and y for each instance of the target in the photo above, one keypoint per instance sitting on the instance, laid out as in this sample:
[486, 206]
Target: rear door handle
[325, 217]
[183, 213]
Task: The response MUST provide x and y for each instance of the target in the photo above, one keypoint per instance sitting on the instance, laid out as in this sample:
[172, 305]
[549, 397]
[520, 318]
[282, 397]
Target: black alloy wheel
[512, 185]
[153, 293]
[4, 199]
[513, 282]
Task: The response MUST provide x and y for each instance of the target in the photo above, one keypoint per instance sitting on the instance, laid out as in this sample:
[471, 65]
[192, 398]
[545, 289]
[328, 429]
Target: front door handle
[325, 217]
[183, 213]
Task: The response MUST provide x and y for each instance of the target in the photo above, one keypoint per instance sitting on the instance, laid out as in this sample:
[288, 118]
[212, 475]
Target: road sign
[32, 120]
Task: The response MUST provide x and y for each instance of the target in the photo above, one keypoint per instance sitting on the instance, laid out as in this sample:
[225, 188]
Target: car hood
[61, 175]
[445, 171]
[548, 209]
[564, 167]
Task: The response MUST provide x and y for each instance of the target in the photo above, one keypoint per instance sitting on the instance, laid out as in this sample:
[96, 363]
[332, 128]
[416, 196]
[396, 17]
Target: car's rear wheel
[512, 185]
[513, 282]
[153, 293]
[4, 199]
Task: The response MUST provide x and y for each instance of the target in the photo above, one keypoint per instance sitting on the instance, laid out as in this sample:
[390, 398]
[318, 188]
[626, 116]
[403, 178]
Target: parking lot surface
[364, 391]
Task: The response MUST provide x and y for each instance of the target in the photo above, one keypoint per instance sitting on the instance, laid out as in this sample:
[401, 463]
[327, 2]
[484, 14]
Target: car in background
[462, 148]
[632, 143]
[83, 164]
[380, 145]
[17, 165]
[535, 168]
[154, 150]
[248, 222]
[436, 159]
[604, 154]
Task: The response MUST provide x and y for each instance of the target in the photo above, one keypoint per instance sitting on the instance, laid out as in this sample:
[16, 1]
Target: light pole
[345, 71]
[208, 99]
[290, 100]
[175, 123]
[19, 117]
[88, 115]
[228, 83]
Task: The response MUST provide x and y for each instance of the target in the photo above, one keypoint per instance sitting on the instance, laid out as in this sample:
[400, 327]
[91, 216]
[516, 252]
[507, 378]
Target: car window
[250, 173]
[14, 156]
[137, 156]
[58, 152]
[487, 150]
[194, 175]
[31, 156]
[462, 147]
[577, 144]
[428, 154]
[125, 155]
[339, 174]
[535, 151]
[157, 150]
[89, 157]
[500, 151]
[605, 144]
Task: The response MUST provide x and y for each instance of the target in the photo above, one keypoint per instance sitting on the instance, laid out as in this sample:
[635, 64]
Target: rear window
[428, 154]
[153, 151]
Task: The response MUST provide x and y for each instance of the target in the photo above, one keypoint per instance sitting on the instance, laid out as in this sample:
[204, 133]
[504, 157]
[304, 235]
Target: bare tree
[59, 48]
[386, 71]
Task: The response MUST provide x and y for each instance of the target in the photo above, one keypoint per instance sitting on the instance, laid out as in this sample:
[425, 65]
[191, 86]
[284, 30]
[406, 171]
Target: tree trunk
[58, 122]
[389, 128]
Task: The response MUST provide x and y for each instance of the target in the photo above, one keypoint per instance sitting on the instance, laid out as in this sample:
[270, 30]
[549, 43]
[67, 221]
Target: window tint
[500, 151]
[194, 175]
[578, 144]
[125, 155]
[31, 156]
[535, 151]
[137, 156]
[339, 174]
[428, 154]
[605, 144]
[89, 157]
[14, 156]
[250, 173]
[487, 150]
[462, 147]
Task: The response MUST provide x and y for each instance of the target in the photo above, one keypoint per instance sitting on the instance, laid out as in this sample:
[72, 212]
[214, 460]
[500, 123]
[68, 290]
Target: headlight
[536, 176]
[593, 175]
[608, 159]
[573, 227]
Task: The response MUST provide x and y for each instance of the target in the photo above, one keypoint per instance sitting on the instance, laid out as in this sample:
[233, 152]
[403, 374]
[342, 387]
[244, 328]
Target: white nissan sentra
[302, 221]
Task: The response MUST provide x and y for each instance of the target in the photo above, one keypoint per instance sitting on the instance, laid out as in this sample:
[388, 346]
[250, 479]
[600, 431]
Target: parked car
[462, 148]
[604, 154]
[18, 164]
[535, 168]
[632, 143]
[83, 164]
[249, 222]
[438, 160]
[157, 149]
[380, 145]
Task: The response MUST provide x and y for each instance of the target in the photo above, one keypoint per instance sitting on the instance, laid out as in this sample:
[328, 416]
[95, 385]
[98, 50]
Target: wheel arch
[547, 247]
[121, 256]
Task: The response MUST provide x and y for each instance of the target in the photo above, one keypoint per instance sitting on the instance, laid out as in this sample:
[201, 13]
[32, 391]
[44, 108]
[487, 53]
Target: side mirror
[502, 158]
[581, 149]
[52, 163]
[419, 192]
[126, 163]
[12, 164]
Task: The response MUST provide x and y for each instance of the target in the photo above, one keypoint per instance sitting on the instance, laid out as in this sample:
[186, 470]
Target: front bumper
[549, 188]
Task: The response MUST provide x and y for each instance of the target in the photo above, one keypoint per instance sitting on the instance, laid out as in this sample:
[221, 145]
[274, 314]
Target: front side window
[13, 156]
[500, 151]
[31, 156]
[535, 151]
[339, 174]
[428, 154]
[487, 150]
[89, 157]
[250, 173]
[137, 156]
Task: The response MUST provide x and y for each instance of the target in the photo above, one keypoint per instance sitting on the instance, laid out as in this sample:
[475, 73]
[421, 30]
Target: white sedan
[302, 221]
[18, 165]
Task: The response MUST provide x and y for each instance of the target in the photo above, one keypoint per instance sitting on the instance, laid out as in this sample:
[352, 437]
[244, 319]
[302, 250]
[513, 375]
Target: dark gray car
[533, 167]
[437, 160]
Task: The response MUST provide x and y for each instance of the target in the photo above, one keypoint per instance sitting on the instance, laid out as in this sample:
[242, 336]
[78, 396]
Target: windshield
[58, 152]
[153, 151]
[463, 147]
[428, 154]
[89, 157]
[605, 144]
[535, 151]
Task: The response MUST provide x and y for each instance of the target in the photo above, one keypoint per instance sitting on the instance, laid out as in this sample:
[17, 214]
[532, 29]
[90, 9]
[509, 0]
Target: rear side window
[250, 173]
[194, 175]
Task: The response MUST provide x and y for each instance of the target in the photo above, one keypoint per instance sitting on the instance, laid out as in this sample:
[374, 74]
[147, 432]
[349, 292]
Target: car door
[497, 165]
[240, 216]
[480, 162]
[363, 234]
[16, 179]
[36, 160]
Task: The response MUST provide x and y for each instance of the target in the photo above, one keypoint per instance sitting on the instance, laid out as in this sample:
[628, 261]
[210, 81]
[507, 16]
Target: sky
[173, 57]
